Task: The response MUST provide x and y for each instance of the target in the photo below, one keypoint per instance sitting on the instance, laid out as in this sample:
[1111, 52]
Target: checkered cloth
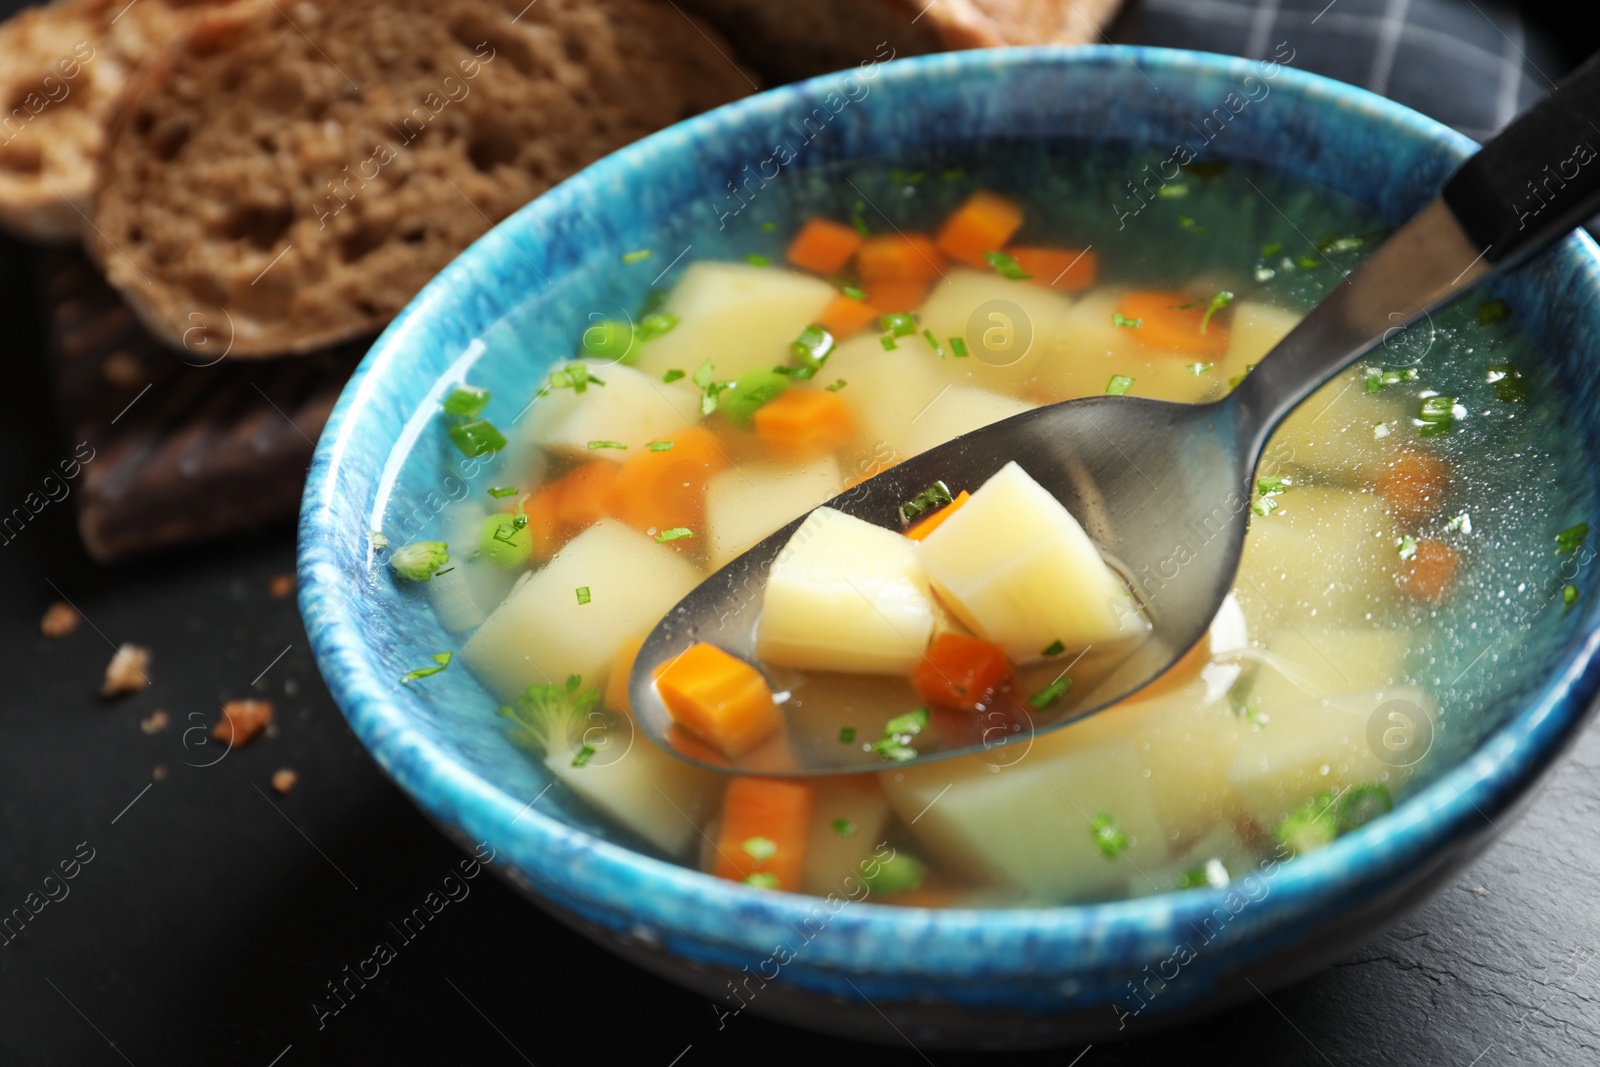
[1472, 64]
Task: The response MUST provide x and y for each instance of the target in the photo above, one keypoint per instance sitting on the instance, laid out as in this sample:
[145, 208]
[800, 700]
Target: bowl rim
[652, 892]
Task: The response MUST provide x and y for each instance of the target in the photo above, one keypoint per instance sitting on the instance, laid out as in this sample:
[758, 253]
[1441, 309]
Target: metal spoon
[1163, 488]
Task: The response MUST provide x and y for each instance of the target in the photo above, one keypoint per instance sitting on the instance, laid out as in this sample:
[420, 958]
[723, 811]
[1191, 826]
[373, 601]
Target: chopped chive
[756, 259]
[677, 533]
[844, 827]
[936, 495]
[887, 341]
[607, 444]
[1507, 382]
[762, 880]
[769, 227]
[1198, 369]
[759, 849]
[466, 401]
[1006, 267]
[378, 539]
[812, 347]
[1310, 826]
[933, 341]
[898, 732]
[1571, 539]
[898, 324]
[1437, 415]
[1348, 243]
[1055, 649]
[477, 437]
[1308, 262]
[652, 302]
[1175, 191]
[958, 347]
[1221, 300]
[1462, 523]
[1271, 484]
[860, 224]
[1119, 319]
[1492, 311]
[660, 446]
[1380, 430]
[499, 491]
[1050, 693]
[1270, 250]
[703, 373]
[574, 376]
[672, 376]
[1119, 385]
[583, 595]
[1569, 595]
[442, 659]
[838, 384]
[638, 255]
[847, 734]
[1264, 506]
[653, 326]
[1378, 378]
[1189, 224]
[1407, 547]
[420, 560]
[853, 293]
[582, 757]
[1107, 837]
[1361, 805]
[1209, 875]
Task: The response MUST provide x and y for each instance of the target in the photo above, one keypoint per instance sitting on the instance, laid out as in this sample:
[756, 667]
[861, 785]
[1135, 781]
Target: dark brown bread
[291, 174]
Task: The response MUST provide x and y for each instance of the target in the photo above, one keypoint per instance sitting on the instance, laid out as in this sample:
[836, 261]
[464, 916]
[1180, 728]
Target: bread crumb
[60, 619]
[159, 772]
[281, 586]
[290, 687]
[284, 779]
[155, 723]
[241, 721]
[126, 671]
[121, 368]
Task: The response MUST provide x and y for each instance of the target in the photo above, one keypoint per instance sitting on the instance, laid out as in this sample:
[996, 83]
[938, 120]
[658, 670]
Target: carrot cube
[1058, 268]
[960, 671]
[584, 495]
[765, 822]
[665, 490]
[804, 423]
[1414, 484]
[932, 522]
[823, 246]
[984, 223]
[898, 257]
[892, 297]
[1431, 572]
[1175, 322]
[719, 698]
[845, 316]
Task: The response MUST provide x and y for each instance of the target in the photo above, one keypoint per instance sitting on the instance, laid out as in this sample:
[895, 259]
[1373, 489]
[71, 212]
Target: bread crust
[289, 175]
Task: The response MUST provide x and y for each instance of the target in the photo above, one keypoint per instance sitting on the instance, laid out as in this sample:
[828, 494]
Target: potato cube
[990, 314]
[955, 411]
[747, 503]
[630, 408]
[663, 799]
[1324, 553]
[1309, 664]
[845, 595]
[847, 821]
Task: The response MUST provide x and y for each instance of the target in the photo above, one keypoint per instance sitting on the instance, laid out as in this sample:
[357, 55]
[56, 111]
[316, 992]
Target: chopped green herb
[1361, 805]
[574, 376]
[860, 224]
[853, 293]
[653, 326]
[900, 177]
[762, 880]
[1198, 369]
[1569, 595]
[1265, 274]
[582, 757]
[750, 392]
[1272, 484]
[1176, 191]
[887, 341]
[378, 539]
[441, 659]
[1209, 875]
[1108, 838]
[838, 384]
[760, 849]
[608, 444]
[583, 595]
[1308, 262]
[1268, 251]
[899, 873]
[936, 495]
[652, 302]
[953, 174]
[898, 325]
[1119, 385]
[812, 347]
[1407, 547]
[466, 401]
[1189, 224]
[477, 437]
[1377, 378]
[1462, 523]
[677, 533]
[1119, 319]
[1055, 649]
[1492, 311]
[1006, 267]
[1507, 382]
[500, 491]
[1571, 539]
[958, 347]
[1436, 415]
[847, 734]
[637, 256]
[1380, 430]
[1310, 826]
[1264, 505]
[660, 446]
[503, 542]
[672, 376]
[553, 718]
[1219, 301]
[420, 560]
[898, 733]
[1050, 693]
[933, 341]
[1335, 243]
[756, 259]
[844, 827]
[611, 339]
[769, 227]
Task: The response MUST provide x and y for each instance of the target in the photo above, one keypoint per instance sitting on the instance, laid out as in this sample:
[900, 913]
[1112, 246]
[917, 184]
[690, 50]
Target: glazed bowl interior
[504, 312]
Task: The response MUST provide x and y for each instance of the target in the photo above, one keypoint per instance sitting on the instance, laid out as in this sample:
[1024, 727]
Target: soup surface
[1410, 524]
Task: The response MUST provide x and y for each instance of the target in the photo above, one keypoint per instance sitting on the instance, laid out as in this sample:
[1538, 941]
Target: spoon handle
[1523, 190]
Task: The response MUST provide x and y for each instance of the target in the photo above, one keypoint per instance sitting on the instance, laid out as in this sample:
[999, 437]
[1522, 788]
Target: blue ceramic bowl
[960, 977]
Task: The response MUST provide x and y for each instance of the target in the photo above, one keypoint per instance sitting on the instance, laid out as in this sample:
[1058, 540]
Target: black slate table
[209, 913]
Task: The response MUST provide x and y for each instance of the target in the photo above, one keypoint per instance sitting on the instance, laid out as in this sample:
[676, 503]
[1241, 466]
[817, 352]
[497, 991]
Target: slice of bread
[289, 174]
[800, 38]
[62, 67]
